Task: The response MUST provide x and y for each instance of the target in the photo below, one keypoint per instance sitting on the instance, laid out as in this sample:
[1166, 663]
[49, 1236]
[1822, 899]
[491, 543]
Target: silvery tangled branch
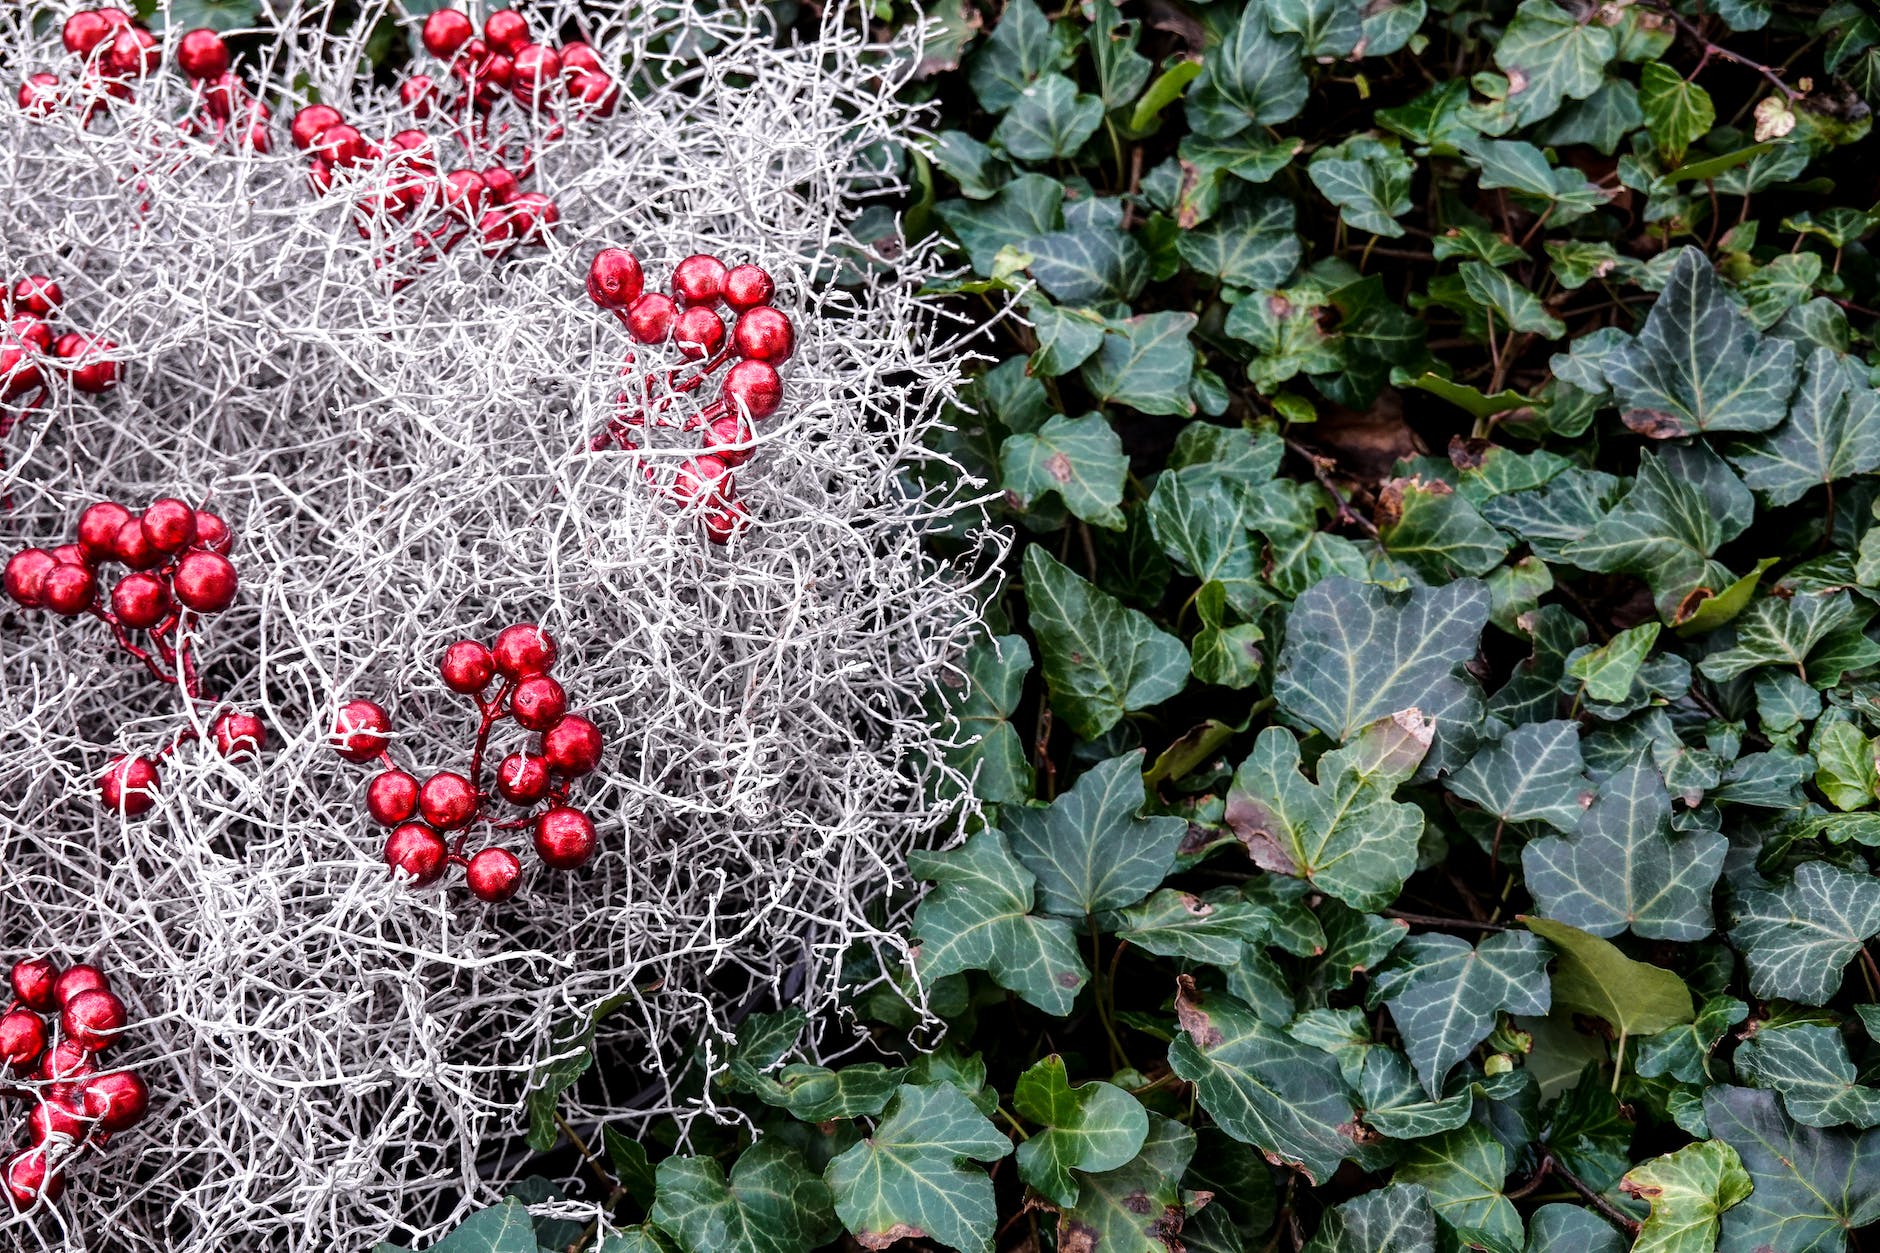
[297, 399]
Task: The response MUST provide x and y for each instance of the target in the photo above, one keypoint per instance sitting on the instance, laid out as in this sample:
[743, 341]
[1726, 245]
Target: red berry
[699, 280]
[572, 746]
[361, 731]
[747, 286]
[576, 55]
[599, 93]
[70, 589]
[33, 980]
[532, 216]
[564, 838]
[133, 52]
[29, 1177]
[79, 977]
[69, 555]
[55, 1117]
[31, 329]
[467, 667]
[447, 801]
[522, 778]
[341, 146]
[37, 294]
[128, 784]
[132, 546]
[506, 30]
[523, 649]
[392, 797]
[170, 524]
[320, 177]
[88, 361]
[85, 30]
[615, 279]
[466, 194]
[764, 334]
[313, 122]
[116, 1100]
[724, 435]
[213, 533]
[26, 576]
[494, 874]
[202, 54]
[93, 1018]
[502, 184]
[419, 94]
[445, 31]
[650, 318]
[205, 581]
[39, 94]
[538, 702]
[535, 67]
[753, 388]
[140, 601]
[236, 732]
[65, 1062]
[724, 524]
[699, 332]
[19, 373]
[22, 1038]
[418, 851]
[704, 478]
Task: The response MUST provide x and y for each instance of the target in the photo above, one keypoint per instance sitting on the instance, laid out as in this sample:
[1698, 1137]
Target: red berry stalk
[760, 339]
[51, 1039]
[420, 815]
[113, 50]
[176, 567]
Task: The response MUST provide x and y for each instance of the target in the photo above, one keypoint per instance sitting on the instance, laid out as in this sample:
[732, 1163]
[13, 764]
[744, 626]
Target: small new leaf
[1092, 1127]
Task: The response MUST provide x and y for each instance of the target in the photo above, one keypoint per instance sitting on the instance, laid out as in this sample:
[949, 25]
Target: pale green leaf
[1688, 1191]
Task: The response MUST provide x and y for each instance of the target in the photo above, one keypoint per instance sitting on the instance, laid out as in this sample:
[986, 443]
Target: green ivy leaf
[1229, 655]
[1050, 118]
[980, 701]
[1444, 995]
[1688, 1191]
[1797, 938]
[1808, 1067]
[1089, 850]
[1666, 528]
[1833, 433]
[1101, 660]
[1514, 306]
[1145, 362]
[1122, 71]
[1463, 1171]
[1535, 773]
[1522, 168]
[1594, 978]
[1550, 55]
[1436, 530]
[1088, 261]
[1251, 78]
[772, 1203]
[912, 1178]
[1606, 674]
[1368, 180]
[1209, 930]
[1809, 1187]
[1326, 28]
[504, 1228]
[1559, 1228]
[1025, 208]
[1396, 1218]
[1818, 634]
[1139, 1207]
[1250, 245]
[1080, 459]
[1066, 337]
[1846, 771]
[1677, 113]
[978, 917]
[1093, 1127]
[1024, 46]
[1683, 1052]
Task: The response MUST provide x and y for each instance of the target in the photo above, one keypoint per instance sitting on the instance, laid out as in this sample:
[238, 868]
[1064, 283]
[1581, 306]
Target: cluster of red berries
[177, 563]
[760, 338]
[421, 814]
[114, 49]
[29, 347]
[223, 101]
[50, 1040]
[541, 77]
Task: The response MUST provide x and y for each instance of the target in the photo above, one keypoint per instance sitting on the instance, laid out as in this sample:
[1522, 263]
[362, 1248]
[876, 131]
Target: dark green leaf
[913, 1177]
[772, 1203]
[1088, 849]
[1101, 660]
[1090, 1128]
[1444, 995]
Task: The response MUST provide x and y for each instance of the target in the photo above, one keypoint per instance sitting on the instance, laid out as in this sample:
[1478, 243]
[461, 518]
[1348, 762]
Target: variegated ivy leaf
[1122, 71]
[1344, 833]
[1396, 1218]
[1326, 28]
[1252, 77]
[1624, 869]
[1066, 337]
[1809, 1187]
[1798, 938]
[1025, 209]
[1512, 306]
[1080, 459]
[1846, 771]
[1557, 514]
[1683, 1052]
[1368, 180]
[913, 1175]
[1088, 849]
[1833, 433]
[1699, 364]
[1535, 773]
[1522, 168]
[1050, 118]
[1562, 1228]
[1436, 530]
[1252, 244]
[1817, 634]
[1210, 930]
[772, 1203]
[1464, 1171]
[1551, 54]
[1145, 362]
[1444, 995]
[1688, 1191]
[1024, 46]
[1090, 1128]
[1808, 1067]
[1101, 660]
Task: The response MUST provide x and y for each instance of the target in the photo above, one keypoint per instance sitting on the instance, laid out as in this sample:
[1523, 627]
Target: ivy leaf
[1081, 459]
[1463, 1172]
[1024, 209]
[1396, 1218]
[979, 702]
[1251, 78]
[1798, 938]
[1368, 180]
[1210, 930]
[911, 1177]
[1622, 869]
[1226, 654]
[1606, 674]
[1808, 1067]
[1665, 529]
[1513, 305]
[1677, 113]
[1138, 1207]
[1050, 118]
[1092, 1127]
[1145, 362]
[1444, 995]
[1846, 771]
[1549, 55]
[1101, 660]
[1699, 364]
[978, 917]
[1535, 773]
[1683, 1052]
[1260, 1085]
[1066, 337]
[1087, 262]
[1818, 634]
[1522, 168]
[503, 1228]
[1344, 833]
[1089, 850]
[1833, 432]
[1594, 978]
[1561, 512]
[772, 1203]
[1560, 1228]
[1327, 28]
[1436, 530]
[1024, 46]
[1200, 521]
[571, 1055]
[1122, 71]
[1810, 1187]
[1355, 653]
[1688, 1191]
[639, 1238]
[1250, 245]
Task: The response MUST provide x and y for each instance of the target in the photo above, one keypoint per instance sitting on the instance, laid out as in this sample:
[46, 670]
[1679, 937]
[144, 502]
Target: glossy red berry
[311, 123]
[22, 1039]
[205, 581]
[576, 55]
[116, 1100]
[522, 779]
[237, 732]
[747, 286]
[699, 280]
[54, 1118]
[93, 1018]
[202, 54]
[419, 94]
[65, 1063]
[764, 334]
[132, 546]
[651, 317]
[88, 362]
[212, 532]
[467, 667]
[722, 525]
[84, 30]
[140, 601]
[34, 980]
[342, 146]
[170, 524]
[538, 702]
[133, 53]
[598, 93]
[564, 838]
[615, 279]
[418, 851]
[532, 216]
[753, 388]
[31, 329]
[29, 1178]
[26, 576]
[69, 555]
[466, 195]
[129, 785]
[70, 589]
[493, 874]
[445, 31]
[502, 184]
[727, 437]
[447, 801]
[361, 731]
[523, 649]
[699, 332]
[38, 295]
[534, 68]
[392, 797]
[506, 30]
[79, 977]
[19, 372]
[702, 479]
[572, 746]
[40, 95]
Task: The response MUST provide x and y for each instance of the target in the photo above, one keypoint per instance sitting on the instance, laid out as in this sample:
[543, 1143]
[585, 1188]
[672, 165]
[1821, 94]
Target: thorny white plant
[337, 1057]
